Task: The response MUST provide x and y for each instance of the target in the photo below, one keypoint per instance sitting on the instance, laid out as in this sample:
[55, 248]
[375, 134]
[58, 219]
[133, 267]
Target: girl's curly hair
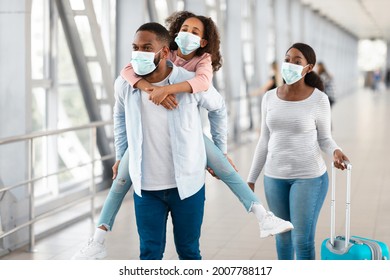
[211, 34]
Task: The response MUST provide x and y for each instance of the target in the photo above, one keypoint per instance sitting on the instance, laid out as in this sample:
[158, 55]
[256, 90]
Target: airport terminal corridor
[360, 126]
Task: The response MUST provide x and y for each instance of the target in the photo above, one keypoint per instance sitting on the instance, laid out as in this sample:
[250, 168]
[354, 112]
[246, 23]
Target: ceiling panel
[365, 19]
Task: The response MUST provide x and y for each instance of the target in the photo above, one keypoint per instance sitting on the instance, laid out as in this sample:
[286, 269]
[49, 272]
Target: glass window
[57, 99]
[39, 108]
[85, 32]
[39, 18]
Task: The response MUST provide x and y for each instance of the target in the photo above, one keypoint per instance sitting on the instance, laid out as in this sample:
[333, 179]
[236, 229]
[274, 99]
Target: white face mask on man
[292, 73]
[143, 62]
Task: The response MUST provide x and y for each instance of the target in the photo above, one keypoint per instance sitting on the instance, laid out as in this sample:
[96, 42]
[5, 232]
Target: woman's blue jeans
[216, 160]
[298, 201]
[151, 211]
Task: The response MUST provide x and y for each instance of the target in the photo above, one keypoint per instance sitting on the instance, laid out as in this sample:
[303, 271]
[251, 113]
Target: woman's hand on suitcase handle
[340, 160]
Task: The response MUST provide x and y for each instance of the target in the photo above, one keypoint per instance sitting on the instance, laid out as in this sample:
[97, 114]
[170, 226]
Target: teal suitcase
[357, 248]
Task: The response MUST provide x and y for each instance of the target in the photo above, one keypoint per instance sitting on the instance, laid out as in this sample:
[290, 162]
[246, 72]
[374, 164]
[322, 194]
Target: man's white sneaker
[93, 250]
[271, 225]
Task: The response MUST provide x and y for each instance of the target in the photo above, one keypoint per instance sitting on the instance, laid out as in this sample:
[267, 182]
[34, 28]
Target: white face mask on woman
[143, 62]
[292, 73]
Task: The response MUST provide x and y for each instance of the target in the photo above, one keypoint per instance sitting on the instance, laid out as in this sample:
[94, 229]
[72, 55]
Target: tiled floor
[361, 126]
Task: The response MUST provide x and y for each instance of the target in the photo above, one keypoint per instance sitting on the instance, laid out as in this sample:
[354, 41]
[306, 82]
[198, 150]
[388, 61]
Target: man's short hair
[161, 32]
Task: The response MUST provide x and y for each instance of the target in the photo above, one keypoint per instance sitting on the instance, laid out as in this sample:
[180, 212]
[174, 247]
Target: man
[167, 158]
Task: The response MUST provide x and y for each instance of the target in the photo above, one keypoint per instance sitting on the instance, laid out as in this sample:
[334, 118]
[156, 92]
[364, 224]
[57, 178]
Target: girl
[196, 48]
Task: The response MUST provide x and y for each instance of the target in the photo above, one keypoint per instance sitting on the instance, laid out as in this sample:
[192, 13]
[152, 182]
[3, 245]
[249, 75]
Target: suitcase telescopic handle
[347, 205]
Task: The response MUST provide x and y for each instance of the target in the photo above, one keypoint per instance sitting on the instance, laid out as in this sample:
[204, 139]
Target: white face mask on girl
[187, 42]
[292, 73]
[143, 62]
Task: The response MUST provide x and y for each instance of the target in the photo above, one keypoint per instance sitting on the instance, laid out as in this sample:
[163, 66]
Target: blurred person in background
[327, 79]
[274, 81]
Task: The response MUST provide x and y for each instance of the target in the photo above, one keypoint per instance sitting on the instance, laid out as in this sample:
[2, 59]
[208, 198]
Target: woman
[295, 128]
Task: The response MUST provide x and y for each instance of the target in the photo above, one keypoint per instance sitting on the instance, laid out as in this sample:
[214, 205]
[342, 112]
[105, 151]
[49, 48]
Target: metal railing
[31, 180]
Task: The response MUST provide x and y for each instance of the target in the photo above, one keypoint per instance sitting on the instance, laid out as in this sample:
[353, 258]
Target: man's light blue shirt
[185, 128]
